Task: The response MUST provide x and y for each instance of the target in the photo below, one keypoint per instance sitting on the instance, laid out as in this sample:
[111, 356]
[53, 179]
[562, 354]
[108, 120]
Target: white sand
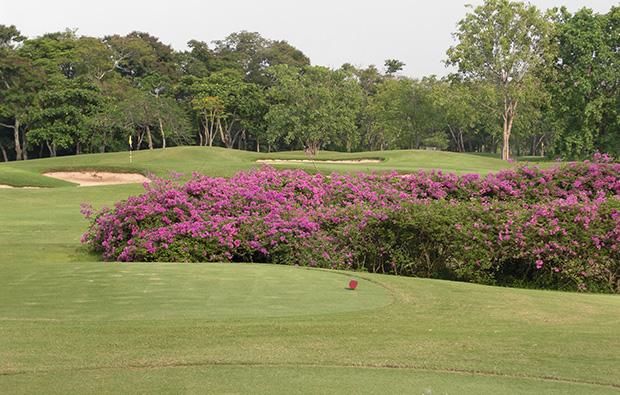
[97, 178]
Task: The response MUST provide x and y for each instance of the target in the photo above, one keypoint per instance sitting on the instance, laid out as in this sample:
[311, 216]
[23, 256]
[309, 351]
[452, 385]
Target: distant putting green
[166, 291]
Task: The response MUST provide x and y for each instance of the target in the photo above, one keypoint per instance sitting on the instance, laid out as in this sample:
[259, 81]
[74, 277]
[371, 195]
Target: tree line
[528, 82]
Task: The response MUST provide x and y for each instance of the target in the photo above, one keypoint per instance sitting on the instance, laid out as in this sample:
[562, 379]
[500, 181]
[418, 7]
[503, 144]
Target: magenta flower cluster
[557, 228]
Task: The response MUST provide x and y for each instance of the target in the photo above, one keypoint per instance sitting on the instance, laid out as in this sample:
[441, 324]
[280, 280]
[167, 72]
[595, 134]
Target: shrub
[558, 228]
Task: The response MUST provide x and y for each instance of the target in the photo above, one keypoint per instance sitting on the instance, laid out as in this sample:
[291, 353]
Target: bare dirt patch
[92, 178]
[319, 161]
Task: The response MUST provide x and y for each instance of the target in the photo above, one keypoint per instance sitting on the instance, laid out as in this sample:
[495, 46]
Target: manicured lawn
[222, 162]
[70, 323]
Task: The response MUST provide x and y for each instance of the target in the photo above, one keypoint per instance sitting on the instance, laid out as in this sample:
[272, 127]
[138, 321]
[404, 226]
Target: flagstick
[129, 149]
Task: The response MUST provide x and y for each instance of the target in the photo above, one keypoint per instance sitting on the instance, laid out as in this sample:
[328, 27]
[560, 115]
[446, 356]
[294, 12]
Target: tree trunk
[24, 144]
[510, 107]
[455, 139]
[18, 147]
[163, 136]
[4, 155]
[140, 138]
[148, 135]
[211, 131]
[104, 143]
[506, 131]
[206, 131]
[225, 139]
[51, 148]
[241, 141]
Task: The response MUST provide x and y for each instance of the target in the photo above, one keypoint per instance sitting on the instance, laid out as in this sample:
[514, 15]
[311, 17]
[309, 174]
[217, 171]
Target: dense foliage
[528, 83]
[558, 228]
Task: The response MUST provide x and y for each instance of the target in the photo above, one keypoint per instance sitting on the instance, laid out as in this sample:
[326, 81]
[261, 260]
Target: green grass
[165, 291]
[70, 323]
[225, 163]
[403, 161]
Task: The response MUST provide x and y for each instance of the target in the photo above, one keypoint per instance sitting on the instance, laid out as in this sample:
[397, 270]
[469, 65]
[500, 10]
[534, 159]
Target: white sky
[329, 32]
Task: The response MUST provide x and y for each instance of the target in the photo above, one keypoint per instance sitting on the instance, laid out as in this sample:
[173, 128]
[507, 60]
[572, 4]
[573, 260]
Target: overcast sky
[329, 32]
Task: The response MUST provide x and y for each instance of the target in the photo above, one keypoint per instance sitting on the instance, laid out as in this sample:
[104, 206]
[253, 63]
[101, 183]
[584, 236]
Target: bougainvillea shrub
[556, 228]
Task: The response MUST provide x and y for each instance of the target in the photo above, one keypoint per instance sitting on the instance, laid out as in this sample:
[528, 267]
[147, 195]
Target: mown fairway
[70, 323]
[224, 163]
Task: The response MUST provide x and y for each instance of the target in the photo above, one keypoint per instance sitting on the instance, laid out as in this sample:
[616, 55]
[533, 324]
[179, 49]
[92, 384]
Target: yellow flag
[129, 140]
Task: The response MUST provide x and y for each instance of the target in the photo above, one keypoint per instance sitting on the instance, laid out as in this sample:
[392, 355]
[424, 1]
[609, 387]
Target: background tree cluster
[528, 83]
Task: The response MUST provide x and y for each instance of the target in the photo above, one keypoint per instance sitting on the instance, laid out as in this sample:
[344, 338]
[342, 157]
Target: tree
[52, 53]
[131, 55]
[243, 48]
[199, 61]
[381, 115]
[502, 42]
[464, 108]
[210, 108]
[253, 55]
[393, 66]
[94, 58]
[313, 106]
[369, 80]
[402, 115]
[274, 53]
[10, 37]
[224, 103]
[141, 113]
[19, 83]
[63, 117]
[585, 87]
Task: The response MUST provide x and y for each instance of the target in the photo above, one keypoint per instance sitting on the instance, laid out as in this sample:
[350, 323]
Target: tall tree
[142, 113]
[274, 53]
[393, 66]
[502, 42]
[131, 55]
[94, 58]
[313, 106]
[254, 54]
[402, 115]
[10, 37]
[199, 61]
[19, 83]
[62, 121]
[52, 53]
[243, 48]
[224, 103]
[586, 84]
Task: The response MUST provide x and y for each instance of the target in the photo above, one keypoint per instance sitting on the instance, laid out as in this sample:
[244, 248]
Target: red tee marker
[353, 284]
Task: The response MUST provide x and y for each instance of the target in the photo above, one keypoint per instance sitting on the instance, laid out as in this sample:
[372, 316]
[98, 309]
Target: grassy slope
[222, 162]
[69, 323]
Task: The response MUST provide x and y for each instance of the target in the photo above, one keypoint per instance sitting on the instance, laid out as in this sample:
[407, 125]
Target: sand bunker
[8, 186]
[319, 161]
[92, 178]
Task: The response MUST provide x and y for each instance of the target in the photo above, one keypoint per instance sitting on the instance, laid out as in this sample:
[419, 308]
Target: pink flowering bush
[557, 228]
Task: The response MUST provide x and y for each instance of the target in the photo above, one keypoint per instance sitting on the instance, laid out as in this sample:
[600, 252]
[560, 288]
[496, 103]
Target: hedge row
[557, 228]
